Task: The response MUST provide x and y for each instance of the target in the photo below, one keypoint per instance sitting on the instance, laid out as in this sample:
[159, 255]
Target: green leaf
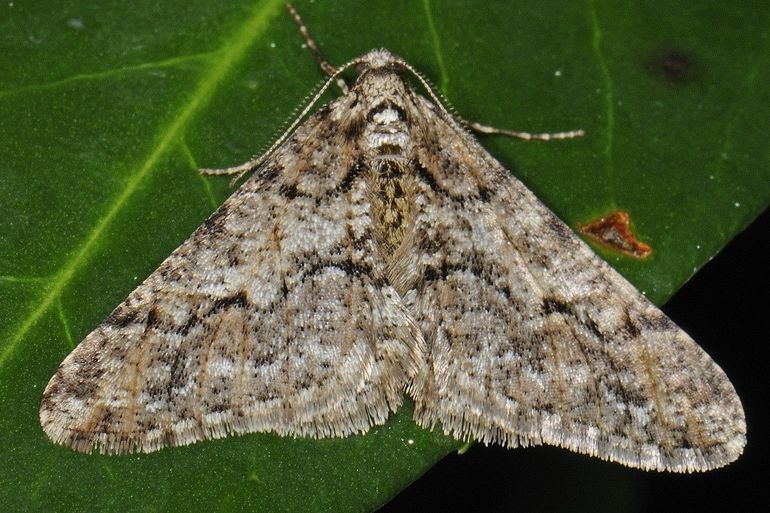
[107, 110]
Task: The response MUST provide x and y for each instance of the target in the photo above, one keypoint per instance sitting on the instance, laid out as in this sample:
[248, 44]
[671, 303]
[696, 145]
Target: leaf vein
[609, 90]
[108, 73]
[444, 80]
[252, 28]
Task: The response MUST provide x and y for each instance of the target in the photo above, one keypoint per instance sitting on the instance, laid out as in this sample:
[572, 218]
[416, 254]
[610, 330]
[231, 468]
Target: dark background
[725, 308]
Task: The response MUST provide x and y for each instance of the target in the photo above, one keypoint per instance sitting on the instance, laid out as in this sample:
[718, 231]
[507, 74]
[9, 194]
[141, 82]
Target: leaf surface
[106, 112]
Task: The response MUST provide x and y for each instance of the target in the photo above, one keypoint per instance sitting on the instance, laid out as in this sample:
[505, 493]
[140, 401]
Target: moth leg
[238, 171]
[325, 66]
[527, 136]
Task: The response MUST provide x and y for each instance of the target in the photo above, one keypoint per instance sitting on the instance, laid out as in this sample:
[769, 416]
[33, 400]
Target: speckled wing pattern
[377, 251]
[273, 316]
[534, 339]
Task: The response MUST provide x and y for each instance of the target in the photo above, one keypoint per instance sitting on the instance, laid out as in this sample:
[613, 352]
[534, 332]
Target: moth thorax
[387, 132]
[391, 191]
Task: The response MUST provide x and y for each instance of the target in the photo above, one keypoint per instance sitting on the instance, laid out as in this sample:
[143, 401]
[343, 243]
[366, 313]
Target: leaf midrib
[232, 51]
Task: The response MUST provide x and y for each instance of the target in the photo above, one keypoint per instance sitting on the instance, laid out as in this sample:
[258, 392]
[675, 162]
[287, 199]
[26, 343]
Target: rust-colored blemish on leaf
[614, 232]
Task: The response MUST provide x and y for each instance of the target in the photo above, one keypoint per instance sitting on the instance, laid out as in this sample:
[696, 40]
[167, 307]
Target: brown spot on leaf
[614, 232]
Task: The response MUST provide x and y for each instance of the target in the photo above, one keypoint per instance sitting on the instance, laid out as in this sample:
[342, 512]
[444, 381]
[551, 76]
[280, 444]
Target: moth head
[379, 61]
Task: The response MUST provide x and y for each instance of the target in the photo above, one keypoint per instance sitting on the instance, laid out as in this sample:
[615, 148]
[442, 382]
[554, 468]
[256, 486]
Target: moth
[378, 250]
